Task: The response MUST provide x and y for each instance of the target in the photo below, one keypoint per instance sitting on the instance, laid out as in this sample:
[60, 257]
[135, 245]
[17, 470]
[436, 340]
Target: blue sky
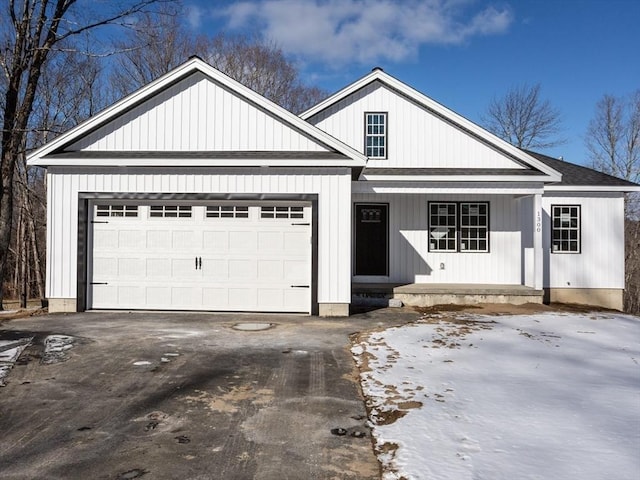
[461, 53]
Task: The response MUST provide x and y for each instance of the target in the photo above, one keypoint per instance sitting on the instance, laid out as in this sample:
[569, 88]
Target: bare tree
[262, 66]
[30, 31]
[613, 142]
[524, 119]
[162, 42]
[613, 136]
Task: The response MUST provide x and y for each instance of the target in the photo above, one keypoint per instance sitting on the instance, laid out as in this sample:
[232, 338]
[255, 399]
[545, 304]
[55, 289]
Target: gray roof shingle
[577, 175]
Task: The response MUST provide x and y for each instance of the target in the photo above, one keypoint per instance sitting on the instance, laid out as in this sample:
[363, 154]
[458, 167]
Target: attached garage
[196, 193]
[228, 256]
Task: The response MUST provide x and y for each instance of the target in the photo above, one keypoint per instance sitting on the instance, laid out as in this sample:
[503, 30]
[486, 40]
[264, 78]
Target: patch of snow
[10, 351]
[542, 396]
[141, 363]
[56, 348]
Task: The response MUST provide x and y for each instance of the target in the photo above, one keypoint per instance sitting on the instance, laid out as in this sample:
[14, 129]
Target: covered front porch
[429, 294]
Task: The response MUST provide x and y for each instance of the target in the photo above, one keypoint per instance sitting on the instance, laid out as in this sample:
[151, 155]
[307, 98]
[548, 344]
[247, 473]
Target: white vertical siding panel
[196, 114]
[333, 187]
[597, 266]
[416, 137]
[409, 258]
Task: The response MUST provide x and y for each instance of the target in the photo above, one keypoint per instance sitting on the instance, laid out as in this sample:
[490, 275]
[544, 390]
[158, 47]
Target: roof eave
[592, 188]
[456, 178]
[181, 162]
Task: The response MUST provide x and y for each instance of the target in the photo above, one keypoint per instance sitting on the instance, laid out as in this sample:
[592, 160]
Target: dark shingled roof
[577, 175]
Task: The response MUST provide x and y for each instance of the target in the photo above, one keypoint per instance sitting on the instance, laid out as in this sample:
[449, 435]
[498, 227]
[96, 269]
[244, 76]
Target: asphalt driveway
[187, 396]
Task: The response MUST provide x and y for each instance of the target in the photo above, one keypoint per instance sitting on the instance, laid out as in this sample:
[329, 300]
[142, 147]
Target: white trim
[191, 66]
[455, 178]
[447, 187]
[450, 115]
[590, 188]
[182, 162]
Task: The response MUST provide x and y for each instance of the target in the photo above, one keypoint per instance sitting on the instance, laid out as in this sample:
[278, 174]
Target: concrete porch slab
[429, 294]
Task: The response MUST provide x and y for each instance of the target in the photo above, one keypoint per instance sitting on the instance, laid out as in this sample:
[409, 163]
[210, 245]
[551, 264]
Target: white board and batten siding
[600, 263]
[332, 185]
[196, 114]
[411, 262]
[415, 137]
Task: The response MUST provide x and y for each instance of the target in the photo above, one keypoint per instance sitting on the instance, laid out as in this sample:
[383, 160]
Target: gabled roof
[548, 173]
[577, 177]
[55, 153]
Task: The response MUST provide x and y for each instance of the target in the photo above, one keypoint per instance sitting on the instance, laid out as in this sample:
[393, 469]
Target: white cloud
[364, 31]
[194, 16]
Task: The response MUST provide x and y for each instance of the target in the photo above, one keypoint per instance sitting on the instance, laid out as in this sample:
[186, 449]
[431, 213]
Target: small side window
[565, 229]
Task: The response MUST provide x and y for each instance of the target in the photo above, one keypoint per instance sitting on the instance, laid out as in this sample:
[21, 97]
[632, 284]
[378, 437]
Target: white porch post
[538, 263]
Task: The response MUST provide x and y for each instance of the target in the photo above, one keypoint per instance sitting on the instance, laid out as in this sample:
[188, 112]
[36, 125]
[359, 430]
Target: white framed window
[116, 210]
[565, 229]
[474, 227]
[375, 143]
[443, 227]
[227, 211]
[170, 211]
[459, 227]
[282, 212]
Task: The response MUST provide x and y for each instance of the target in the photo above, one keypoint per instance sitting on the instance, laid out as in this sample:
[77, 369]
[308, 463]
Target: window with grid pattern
[443, 232]
[565, 230]
[227, 211]
[474, 227]
[376, 135]
[116, 210]
[170, 211]
[282, 212]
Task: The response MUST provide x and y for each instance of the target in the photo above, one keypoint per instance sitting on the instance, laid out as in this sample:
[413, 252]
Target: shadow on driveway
[168, 396]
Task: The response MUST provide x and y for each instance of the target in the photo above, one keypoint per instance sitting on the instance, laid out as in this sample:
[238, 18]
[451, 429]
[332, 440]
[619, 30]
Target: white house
[196, 193]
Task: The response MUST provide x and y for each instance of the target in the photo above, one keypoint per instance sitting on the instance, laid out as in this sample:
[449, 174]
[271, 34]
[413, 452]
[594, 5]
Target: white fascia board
[181, 162]
[430, 104]
[455, 178]
[441, 188]
[587, 188]
[191, 66]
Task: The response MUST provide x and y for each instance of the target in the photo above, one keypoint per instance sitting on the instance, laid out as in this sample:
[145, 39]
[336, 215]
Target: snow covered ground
[545, 396]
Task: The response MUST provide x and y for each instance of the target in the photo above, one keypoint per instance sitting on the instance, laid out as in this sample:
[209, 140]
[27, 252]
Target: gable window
[459, 227]
[376, 135]
[565, 230]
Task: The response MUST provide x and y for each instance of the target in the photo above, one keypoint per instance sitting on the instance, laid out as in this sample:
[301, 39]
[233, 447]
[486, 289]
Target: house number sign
[538, 222]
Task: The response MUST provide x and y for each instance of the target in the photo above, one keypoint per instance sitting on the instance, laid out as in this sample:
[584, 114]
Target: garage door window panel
[170, 211]
[292, 212]
[227, 211]
[130, 211]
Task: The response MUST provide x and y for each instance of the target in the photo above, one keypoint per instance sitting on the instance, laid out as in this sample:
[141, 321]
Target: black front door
[371, 239]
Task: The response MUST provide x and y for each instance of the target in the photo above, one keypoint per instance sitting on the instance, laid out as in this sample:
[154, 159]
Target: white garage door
[223, 256]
